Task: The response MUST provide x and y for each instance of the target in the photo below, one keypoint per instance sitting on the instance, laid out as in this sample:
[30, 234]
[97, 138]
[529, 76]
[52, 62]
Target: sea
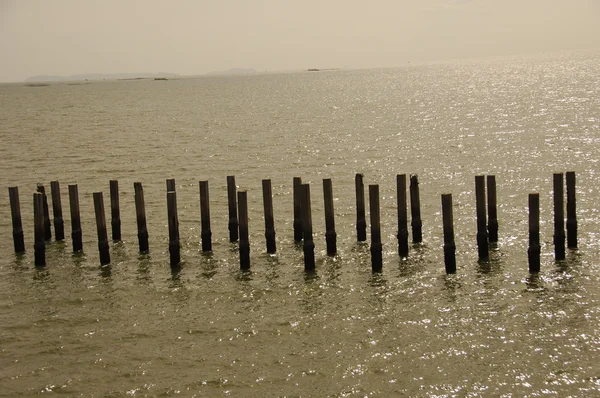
[138, 328]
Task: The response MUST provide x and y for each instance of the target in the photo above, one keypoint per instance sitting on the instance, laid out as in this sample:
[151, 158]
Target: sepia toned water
[135, 328]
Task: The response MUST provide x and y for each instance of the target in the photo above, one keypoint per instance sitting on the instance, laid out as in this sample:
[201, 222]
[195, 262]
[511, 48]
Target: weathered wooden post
[206, 233]
[171, 186]
[233, 209]
[309, 245]
[534, 251]
[415, 209]
[101, 227]
[174, 244]
[330, 234]
[39, 226]
[140, 211]
[15, 210]
[402, 215]
[449, 245]
[242, 200]
[47, 225]
[115, 212]
[559, 216]
[376, 247]
[571, 211]
[297, 194]
[492, 210]
[59, 223]
[482, 236]
[361, 222]
[76, 234]
[269, 218]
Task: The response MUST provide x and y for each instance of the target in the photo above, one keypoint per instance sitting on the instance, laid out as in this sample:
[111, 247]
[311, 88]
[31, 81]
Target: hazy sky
[63, 37]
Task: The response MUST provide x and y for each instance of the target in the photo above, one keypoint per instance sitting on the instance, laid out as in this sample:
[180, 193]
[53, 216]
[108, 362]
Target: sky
[192, 37]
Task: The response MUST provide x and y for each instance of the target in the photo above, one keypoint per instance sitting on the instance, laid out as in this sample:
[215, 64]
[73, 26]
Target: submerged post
[571, 211]
[242, 199]
[402, 215]
[309, 245]
[101, 227]
[297, 194]
[115, 212]
[482, 236]
[361, 222]
[174, 245]
[330, 234]
[15, 210]
[233, 209]
[448, 223]
[269, 218]
[47, 225]
[76, 234]
[39, 226]
[140, 212]
[206, 233]
[59, 223]
[492, 210]
[559, 216]
[415, 209]
[376, 247]
[533, 253]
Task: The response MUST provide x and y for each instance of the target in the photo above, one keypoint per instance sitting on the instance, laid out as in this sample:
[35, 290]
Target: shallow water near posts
[136, 327]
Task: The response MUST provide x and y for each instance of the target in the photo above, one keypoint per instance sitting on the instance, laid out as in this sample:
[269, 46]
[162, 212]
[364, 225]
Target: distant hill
[99, 76]
[234, 71]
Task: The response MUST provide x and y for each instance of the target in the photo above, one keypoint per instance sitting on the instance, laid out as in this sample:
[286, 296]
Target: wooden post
[170, 185]
[115, 212]
[415, 209]
[15, 210]
[206, 233]
[482, 236]
[330, 234]
[39, 226]
[402, 215]
[376, 247]
[140, 210]
[47, 225]
[309, 245]
[269, 218]
[297, 193]
[533, 253]
[233, 209]
[242, 200]
[449, 245]
[361, 222]
[174, 245]
[571, 211]
[492, 210]
[76, 233]
[559, 216]
[59, 223]
[101, 226]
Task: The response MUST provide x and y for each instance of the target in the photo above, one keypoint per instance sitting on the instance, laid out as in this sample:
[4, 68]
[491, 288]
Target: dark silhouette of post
[140, 212]
[415, 209]
[115, 212]
[482, 236]
[376, 247]
[269, 218]
[15, 211]
[534, 251]
[242, 199]
[309, 245]
[559, 216]
[101, 227]
[47, 225]
[402, 215]
[76, 234]
[297, 194]
[206, 233]
[361, 222]
[449, 245]
[492, 210]
[39, 226]
[174, 244]
[233, 209]
[59, 223]
[330, 234]
[571, 211]
[171, 187]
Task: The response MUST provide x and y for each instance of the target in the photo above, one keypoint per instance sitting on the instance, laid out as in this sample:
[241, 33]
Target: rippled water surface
[135, 328]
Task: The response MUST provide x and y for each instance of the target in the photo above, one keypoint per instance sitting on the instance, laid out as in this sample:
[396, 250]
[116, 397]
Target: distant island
[234, 71]
[100, 76]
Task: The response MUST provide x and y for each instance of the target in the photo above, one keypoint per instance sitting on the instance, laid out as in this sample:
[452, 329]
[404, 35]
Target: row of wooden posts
[487, 229]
